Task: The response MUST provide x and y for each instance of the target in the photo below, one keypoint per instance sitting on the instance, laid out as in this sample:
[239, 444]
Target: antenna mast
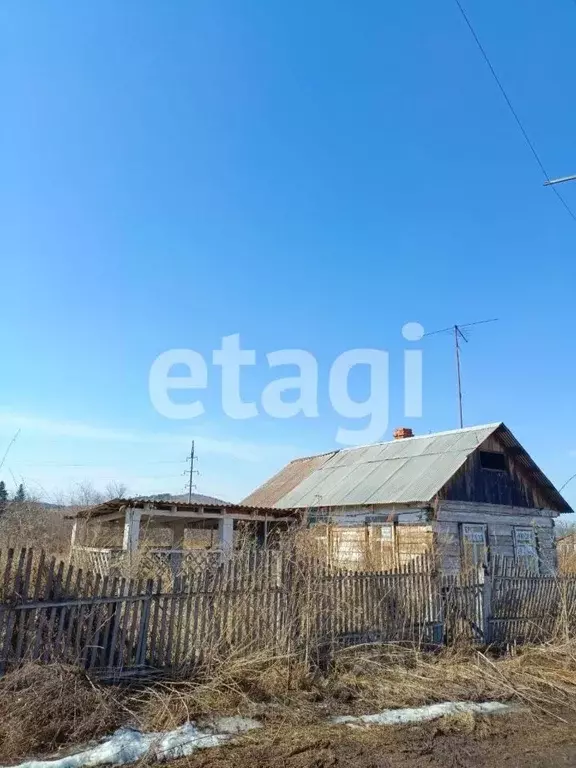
[192, 458]
[458, 333]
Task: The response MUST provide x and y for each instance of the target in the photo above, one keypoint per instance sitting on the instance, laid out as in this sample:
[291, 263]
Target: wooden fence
[261, 601]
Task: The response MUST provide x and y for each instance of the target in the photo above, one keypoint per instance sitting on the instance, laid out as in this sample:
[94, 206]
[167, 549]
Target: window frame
[477, 547]
[534, 555]
[503, 469]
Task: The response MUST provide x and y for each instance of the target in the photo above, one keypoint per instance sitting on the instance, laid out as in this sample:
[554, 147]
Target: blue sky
[309, 175]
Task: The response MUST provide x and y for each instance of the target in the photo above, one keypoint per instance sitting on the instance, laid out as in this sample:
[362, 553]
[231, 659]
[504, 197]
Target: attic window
[493, 460]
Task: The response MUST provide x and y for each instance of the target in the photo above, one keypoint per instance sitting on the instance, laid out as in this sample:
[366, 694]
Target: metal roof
[156, 505]
[286, 480]
[408, 471]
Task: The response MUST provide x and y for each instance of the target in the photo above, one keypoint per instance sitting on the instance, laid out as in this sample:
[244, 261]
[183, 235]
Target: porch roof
[116, 508]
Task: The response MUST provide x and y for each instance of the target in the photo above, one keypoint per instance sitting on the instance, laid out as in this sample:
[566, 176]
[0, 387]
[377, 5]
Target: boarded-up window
[525, 548]
[474, 547]
[383, 546]
[412, 541]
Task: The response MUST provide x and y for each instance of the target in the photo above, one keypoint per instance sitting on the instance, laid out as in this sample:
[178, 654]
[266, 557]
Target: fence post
[144, 625]
[487, 606]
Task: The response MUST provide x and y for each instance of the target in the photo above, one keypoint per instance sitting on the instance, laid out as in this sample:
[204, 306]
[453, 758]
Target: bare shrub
[31, 523]
[43, 707]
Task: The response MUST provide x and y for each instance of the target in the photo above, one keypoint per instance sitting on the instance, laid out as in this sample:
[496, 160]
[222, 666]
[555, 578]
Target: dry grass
[43, 707]
[31, 522]
[542, 678]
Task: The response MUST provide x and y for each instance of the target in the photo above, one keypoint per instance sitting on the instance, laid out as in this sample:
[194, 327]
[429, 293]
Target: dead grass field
[45, 709]
[516, 741]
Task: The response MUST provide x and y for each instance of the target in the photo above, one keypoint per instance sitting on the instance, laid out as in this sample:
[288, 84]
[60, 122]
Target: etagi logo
[231, 358]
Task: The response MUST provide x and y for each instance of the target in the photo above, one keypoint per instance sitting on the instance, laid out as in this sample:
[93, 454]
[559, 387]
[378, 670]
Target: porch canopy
[178, 516]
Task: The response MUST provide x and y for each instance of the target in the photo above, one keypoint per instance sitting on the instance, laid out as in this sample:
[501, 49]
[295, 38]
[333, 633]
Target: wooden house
[470, 494]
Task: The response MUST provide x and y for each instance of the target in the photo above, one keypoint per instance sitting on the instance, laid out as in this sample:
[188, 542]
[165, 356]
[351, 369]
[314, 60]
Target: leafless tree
[116, 490]
[85, 495]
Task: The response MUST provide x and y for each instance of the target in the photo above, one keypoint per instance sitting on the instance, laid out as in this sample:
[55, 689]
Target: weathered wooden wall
[373, 546]
[487, 486]
[500, 523]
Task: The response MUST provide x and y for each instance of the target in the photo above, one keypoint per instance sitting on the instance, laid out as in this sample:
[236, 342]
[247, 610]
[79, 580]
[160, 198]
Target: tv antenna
[458, 331]
[562, 180]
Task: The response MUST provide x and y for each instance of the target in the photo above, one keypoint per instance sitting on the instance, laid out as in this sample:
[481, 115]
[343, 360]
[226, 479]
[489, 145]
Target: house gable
[500, 473]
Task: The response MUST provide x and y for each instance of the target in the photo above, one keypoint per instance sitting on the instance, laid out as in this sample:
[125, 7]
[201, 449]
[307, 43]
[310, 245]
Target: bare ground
[514, 741]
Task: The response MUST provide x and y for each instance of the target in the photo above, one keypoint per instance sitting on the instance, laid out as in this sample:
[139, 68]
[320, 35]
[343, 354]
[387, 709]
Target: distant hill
[197, 498]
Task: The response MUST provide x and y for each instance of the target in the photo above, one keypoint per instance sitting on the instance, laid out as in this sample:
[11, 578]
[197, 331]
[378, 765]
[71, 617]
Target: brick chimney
[401, 432]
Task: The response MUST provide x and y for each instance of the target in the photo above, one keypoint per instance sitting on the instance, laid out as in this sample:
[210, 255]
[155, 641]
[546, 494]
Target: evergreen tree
[3, 495]
[20, 494]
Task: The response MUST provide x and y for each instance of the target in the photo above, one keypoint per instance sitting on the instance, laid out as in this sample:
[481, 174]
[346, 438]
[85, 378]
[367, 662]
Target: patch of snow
[124, 746]
[128, 745]
[422, 714]
[185, 740]
[234, 725]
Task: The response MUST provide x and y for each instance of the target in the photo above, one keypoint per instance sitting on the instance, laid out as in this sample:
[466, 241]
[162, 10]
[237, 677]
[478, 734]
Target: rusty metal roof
[408, 471]
[275, 489]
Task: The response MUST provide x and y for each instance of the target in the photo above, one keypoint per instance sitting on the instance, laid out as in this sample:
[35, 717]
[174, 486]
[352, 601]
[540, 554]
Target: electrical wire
[511, 107]
[571, 476]
[59, 465]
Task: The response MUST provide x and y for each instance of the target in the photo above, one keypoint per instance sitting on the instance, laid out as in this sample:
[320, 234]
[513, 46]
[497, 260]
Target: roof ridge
[491, 425]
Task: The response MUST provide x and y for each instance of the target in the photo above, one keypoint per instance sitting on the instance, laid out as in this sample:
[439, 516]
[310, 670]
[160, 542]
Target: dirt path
[517, 741]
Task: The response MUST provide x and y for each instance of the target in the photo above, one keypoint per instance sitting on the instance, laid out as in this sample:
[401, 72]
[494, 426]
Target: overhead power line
[511, 108]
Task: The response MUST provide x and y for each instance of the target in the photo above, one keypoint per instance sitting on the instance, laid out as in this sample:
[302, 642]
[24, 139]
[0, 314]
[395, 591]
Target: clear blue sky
[306, 174]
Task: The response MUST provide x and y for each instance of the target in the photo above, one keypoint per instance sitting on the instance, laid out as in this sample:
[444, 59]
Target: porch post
[74, 534]
[178, 532]
[226, 533]
[262, 534]
[131, 529]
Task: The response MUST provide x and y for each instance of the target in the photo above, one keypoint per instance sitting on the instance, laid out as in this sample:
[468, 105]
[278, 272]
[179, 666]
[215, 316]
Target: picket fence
[262, 600]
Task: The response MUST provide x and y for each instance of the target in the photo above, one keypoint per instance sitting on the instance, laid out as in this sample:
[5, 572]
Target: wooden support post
[178, 531]
[131, 529]
[226, 534]
[74, 534]
[261, 534]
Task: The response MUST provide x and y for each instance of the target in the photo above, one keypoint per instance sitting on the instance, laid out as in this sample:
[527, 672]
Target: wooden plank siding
[513, 488]
[500, 523]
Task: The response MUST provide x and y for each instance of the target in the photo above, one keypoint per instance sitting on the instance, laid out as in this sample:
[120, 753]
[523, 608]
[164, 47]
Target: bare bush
[45, 706]
[32, 523]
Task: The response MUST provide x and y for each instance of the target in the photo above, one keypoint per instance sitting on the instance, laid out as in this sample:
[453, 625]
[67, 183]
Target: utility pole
[458, 332]
[192, 458]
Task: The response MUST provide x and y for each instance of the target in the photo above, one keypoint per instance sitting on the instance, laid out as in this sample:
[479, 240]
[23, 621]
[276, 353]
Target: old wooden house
[469, 494]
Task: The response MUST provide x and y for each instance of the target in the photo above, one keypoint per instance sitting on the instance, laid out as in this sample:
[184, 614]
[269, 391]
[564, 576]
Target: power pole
[192, 472]
[458, 332]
